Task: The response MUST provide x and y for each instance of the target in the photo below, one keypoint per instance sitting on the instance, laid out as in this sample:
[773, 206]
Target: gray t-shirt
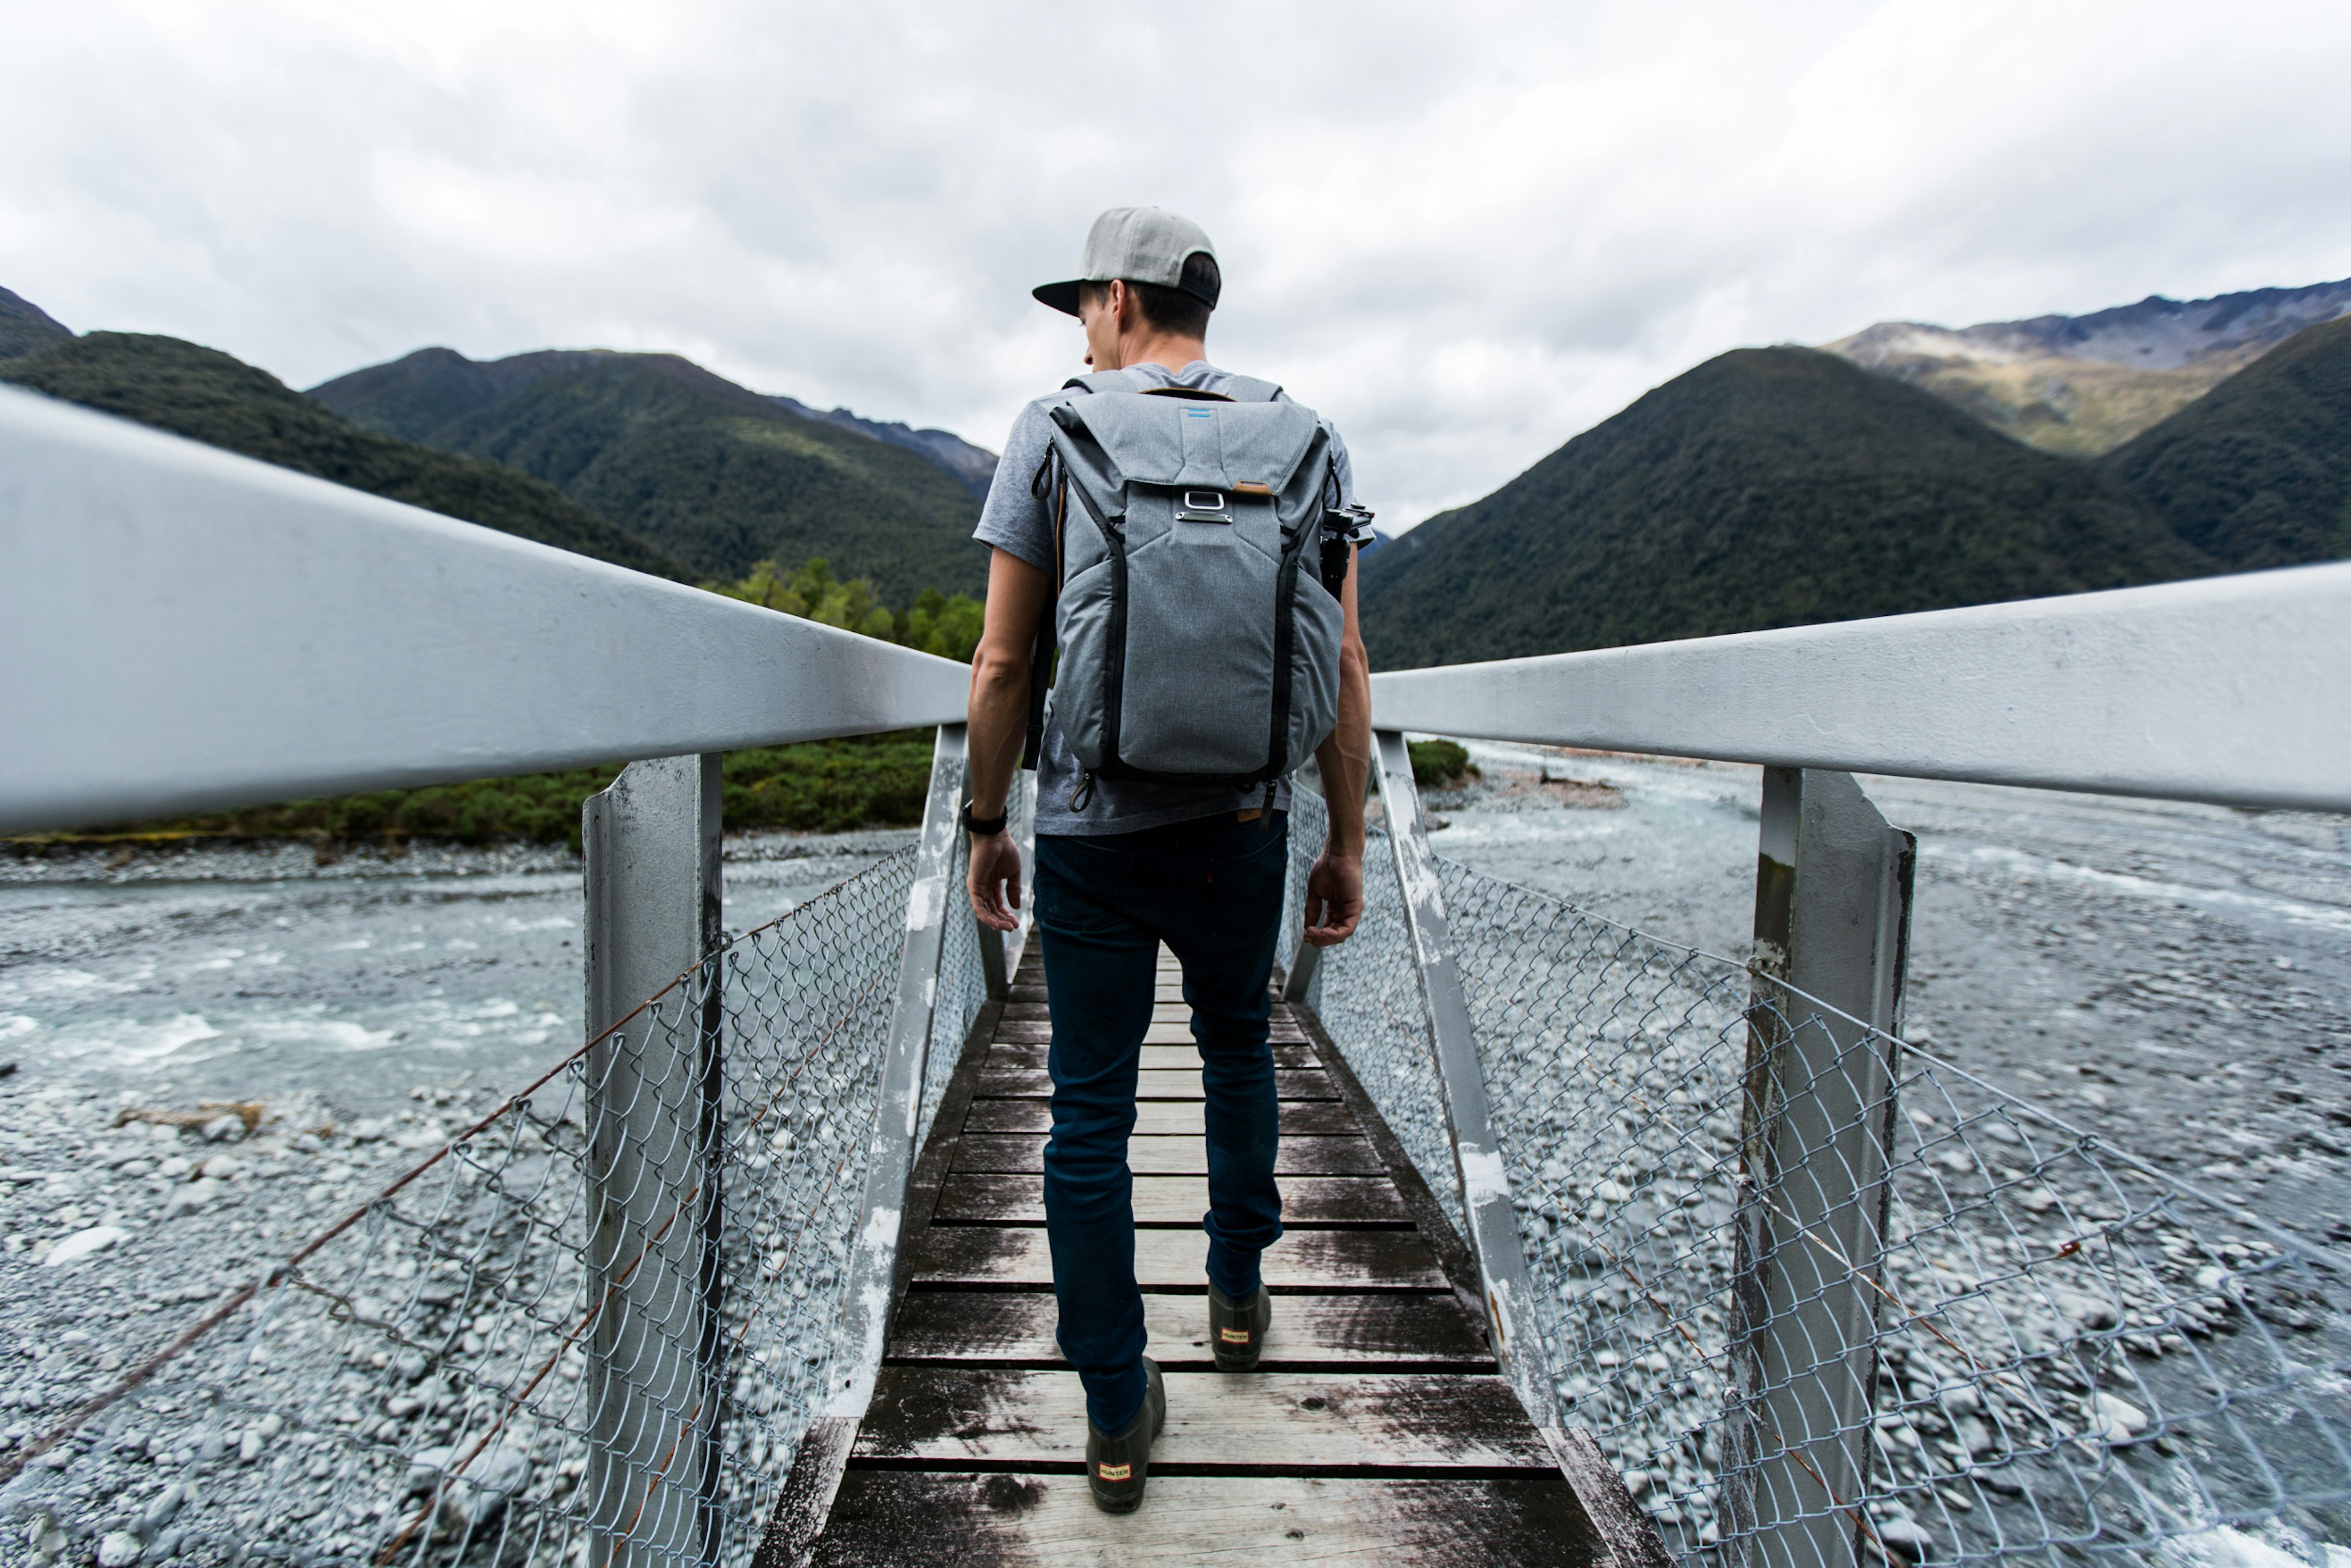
[1017, 522]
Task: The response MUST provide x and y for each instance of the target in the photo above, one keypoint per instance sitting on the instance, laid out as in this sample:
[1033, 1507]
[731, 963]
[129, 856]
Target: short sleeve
[1013, 519]
[1343, 464]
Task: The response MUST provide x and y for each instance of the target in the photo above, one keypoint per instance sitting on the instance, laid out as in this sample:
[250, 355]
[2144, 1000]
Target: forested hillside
[711, 472]
[213, 397]
[1766, 487]
[24, 326]
[2258, 472]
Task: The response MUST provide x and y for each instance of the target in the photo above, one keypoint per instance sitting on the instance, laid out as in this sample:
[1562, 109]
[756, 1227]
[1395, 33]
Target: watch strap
[983, 826]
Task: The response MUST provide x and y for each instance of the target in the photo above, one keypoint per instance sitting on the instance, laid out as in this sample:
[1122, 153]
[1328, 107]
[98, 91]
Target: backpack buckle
[1203, 506]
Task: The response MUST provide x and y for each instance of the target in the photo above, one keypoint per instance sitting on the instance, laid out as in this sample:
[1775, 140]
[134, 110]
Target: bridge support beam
[654, 1118]
[1833, 897]
[1477, 1154]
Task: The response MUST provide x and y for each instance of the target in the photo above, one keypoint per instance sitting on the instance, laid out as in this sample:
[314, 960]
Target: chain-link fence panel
[1367, 992]
[963, 984]
[963, 977]
[1791, 1273]
[480, 1364]
[2051, 1349]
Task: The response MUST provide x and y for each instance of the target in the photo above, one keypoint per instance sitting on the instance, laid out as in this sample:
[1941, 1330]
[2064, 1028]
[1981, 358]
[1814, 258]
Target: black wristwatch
[982, 827]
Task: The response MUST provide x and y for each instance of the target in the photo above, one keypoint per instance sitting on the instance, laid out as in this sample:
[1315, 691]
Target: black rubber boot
[1236, 1329]
[1118, 1464]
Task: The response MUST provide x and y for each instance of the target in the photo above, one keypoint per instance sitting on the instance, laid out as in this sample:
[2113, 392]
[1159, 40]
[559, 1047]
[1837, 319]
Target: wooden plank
[1035, 1012]
[1152, 1083]
[1031, 1053]
[888, 1518]
[1004, 1198]
[1304, 1118]
[1296, 1421]
[1177, 1260]
[1432, 1328]
[1038, 1031]
[1025, 1151]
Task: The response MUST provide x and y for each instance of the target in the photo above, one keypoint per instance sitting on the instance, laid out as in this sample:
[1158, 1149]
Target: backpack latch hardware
[1203, 506]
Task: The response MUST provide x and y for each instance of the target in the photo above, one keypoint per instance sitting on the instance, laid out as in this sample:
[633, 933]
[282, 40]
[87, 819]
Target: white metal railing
[183, 627]
[2234, 690]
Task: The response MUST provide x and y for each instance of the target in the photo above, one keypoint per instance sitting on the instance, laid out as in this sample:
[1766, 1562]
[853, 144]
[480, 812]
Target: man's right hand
[995, 881]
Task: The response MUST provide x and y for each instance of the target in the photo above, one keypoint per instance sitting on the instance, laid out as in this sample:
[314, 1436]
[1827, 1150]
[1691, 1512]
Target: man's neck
[1160, 348]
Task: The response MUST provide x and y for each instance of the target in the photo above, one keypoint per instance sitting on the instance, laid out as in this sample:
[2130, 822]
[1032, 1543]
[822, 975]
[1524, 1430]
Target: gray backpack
[1196, 604]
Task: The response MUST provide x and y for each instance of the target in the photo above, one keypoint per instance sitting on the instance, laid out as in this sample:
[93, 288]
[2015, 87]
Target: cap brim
[1061, 296]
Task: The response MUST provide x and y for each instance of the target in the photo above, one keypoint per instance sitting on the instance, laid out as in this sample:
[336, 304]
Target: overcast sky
[1464, 232]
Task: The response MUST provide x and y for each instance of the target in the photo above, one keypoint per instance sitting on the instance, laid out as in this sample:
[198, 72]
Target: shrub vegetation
[1438, 764]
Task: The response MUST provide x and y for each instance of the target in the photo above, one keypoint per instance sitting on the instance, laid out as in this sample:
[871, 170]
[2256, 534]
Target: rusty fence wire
[472, 1368]
[1806, 1284]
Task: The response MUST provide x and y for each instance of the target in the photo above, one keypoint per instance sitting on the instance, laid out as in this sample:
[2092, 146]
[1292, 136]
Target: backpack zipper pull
[1084, 792]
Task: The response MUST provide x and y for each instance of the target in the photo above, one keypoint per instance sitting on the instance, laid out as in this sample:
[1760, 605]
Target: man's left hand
[1335, 898]
[995, 881]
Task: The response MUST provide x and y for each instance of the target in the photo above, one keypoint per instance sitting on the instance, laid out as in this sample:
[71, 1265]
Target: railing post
[1477, 1156]
[1298, 985]
[651, 843]
[871, 1294]
[1831, 921]
[1298, 979]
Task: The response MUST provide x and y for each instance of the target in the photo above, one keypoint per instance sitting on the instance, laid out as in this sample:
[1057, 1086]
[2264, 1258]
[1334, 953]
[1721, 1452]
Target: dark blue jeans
[1210, 888]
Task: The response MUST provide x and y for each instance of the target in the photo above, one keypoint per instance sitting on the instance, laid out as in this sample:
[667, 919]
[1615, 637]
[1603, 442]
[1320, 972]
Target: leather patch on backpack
[1115, 1472]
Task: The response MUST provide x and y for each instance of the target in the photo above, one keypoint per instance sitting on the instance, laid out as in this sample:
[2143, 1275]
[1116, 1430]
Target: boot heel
[1236, 1329]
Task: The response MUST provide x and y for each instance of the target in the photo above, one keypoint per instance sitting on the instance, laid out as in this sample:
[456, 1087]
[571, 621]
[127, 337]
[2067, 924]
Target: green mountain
[2257, 473]
[711, 472]
[1766, 487]
[209, 396]
[24, 326]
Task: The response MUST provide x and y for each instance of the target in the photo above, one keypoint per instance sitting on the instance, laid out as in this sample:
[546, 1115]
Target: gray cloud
[1465, 234]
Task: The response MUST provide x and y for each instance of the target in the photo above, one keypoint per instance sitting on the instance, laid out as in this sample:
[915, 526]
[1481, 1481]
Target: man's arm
[999, 715]
[1335, 888]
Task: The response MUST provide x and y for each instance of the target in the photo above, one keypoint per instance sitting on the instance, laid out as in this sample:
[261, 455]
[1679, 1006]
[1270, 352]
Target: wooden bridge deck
[1377, 1427]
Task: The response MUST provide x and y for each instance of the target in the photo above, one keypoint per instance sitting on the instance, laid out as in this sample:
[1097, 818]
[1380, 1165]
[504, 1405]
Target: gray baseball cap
[1142, 245]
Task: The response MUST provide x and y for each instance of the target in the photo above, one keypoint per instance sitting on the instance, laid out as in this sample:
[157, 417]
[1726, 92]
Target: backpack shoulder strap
[1050, 484]
[1099, 381]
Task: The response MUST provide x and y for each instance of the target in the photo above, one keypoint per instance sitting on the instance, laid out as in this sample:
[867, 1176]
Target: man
[1124, 864]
